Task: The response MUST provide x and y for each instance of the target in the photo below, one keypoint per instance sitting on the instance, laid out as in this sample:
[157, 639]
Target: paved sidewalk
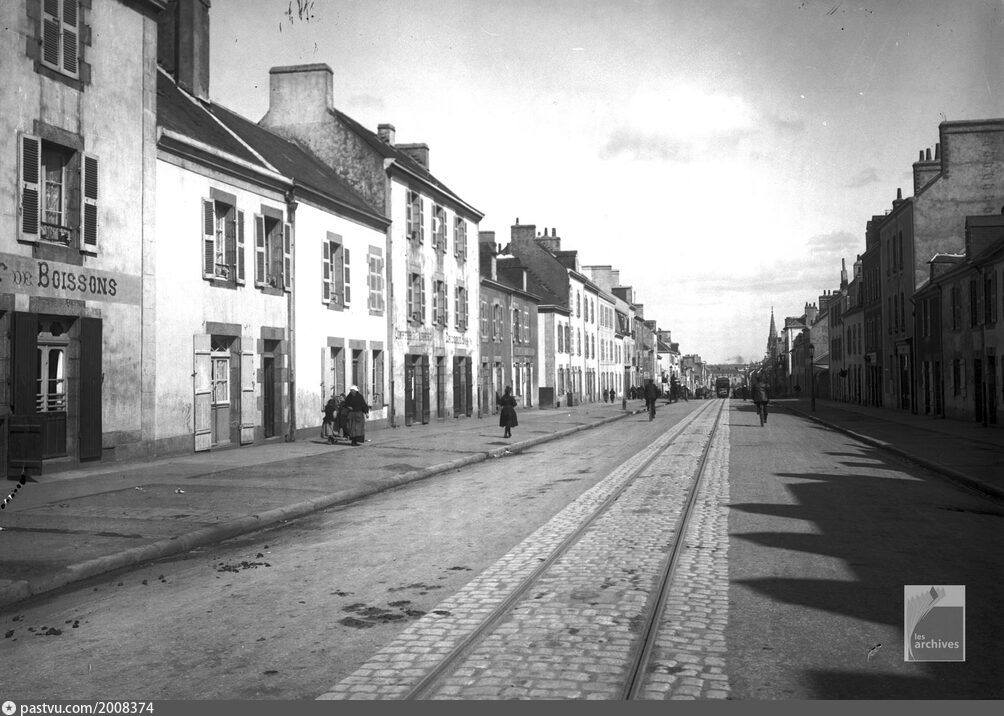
[73, 525]
[965, 452]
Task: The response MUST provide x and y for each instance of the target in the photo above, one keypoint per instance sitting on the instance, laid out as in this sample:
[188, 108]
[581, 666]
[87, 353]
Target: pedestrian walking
[357, 408]
[651, 393]
[761, 395]
[507, 419]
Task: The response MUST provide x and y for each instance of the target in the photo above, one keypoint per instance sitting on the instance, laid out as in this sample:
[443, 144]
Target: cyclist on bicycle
[761, 395]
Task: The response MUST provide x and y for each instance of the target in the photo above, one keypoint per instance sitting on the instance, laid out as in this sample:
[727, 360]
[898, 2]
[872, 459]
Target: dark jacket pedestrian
[507, 418]
[330, 428]
[358, 409]
[761, 390]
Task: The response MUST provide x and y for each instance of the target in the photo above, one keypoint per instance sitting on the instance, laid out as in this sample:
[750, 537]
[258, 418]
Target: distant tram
[722, 387]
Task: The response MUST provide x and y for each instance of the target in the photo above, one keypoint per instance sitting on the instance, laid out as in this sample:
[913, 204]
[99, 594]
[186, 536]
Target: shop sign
[54, 279]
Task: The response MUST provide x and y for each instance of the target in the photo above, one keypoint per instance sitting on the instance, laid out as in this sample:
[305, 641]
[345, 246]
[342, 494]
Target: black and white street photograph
[501, 350]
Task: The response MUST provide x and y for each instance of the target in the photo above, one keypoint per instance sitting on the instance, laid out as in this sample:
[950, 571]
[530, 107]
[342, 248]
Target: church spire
[773, 328]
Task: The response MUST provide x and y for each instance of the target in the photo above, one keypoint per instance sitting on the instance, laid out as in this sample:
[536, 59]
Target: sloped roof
[181, 113]
[390, 152]
[295, 162]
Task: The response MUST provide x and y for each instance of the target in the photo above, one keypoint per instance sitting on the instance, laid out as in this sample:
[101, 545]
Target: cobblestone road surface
[573, 634]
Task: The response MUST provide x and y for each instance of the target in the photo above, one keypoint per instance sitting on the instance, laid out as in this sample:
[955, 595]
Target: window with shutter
[60, 39]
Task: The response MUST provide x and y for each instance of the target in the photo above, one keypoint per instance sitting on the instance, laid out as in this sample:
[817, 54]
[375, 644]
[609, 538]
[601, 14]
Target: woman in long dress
[358, 409]
[507, 419]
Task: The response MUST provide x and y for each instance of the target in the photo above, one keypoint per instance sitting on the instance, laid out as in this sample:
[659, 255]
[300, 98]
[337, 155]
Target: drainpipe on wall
[291, 205]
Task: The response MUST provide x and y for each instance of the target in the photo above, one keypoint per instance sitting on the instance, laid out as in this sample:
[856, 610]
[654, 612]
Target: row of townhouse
[176, 277]
[915, 326]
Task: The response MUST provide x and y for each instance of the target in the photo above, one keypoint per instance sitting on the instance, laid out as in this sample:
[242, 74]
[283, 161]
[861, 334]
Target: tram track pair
[647, 627]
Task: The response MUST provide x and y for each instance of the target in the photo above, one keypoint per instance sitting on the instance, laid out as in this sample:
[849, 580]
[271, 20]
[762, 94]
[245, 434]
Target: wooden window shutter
[51, 33]
[347, 296]
[338, 272]
[287, 256]
[411, 297]
[230, 249]
[380, 281]
[208, 238]
[445, 305]
[240, 248]
[456, 308]
[70, 35]
[409, 215]
[326, 276]
[31, 171]
[421, 301]
[421, 219]
[259, 250]
[526, 326]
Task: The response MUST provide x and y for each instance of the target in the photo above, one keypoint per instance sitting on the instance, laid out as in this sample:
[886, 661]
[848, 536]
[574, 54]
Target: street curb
[23, 589]
[970, 482]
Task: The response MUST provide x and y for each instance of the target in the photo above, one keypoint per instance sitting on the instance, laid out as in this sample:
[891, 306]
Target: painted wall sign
[54, 279]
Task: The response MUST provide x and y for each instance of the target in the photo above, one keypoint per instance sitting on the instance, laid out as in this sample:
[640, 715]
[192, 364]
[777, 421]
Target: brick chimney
[488, 255]
[183, 44]
[522, 234]
[926, 168]
[418, 152]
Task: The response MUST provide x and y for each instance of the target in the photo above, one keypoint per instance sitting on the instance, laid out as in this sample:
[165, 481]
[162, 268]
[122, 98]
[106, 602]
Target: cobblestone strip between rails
[392, 671]
[688, 659]
[573, 635]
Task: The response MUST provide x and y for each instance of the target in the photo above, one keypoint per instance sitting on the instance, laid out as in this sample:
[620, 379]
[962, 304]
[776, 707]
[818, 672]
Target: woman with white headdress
[358, 409]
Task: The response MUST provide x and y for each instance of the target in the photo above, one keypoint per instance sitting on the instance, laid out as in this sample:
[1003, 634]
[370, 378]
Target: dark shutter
[90, 388]
[70, 36]
[90, 207]
[287, 256]
[31, 157]
[457, 387]
[425, 388]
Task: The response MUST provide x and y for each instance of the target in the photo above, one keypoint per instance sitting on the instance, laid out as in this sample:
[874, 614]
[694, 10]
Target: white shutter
[326, 275]
[31, 172]
[240, 248]
[260, 265]
[203, 388]
[347, 289]
[208, 238]
[287, 256]
[249, 378]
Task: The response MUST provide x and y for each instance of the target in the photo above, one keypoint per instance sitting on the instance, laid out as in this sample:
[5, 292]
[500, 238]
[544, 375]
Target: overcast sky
[724, 155]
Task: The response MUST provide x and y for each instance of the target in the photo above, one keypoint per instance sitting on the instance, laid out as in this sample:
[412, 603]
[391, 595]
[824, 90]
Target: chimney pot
[921, 157]
[899, 192]
[928, 154]
[937, 151]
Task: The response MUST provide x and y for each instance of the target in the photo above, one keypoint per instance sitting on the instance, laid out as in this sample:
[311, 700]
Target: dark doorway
[268, 394]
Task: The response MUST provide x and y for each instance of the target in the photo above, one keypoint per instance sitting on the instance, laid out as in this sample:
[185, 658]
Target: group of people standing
[345, 415]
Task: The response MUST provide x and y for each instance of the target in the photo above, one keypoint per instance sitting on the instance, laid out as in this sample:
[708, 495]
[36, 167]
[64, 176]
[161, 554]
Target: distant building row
[175, 277]
[918, 325]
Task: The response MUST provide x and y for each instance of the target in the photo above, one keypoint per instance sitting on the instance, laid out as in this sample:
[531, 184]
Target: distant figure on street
[651, 394]
[507, 419]
[358, 409]
[761, 395]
